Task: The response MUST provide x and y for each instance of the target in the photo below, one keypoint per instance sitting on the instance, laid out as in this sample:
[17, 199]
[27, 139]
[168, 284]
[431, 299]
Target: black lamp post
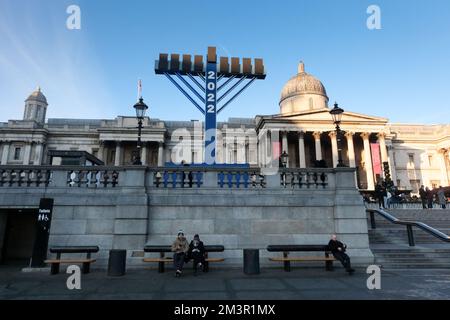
[140, 108]
[284, 158]
[336, 113]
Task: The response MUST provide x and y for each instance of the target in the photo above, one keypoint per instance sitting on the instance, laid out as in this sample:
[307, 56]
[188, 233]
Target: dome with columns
[303, 92]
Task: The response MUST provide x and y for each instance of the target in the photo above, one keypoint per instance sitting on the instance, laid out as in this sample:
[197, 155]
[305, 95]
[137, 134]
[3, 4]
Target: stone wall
[135, 213]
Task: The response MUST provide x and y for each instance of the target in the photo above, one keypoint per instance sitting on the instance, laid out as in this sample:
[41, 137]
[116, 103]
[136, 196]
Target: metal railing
[409, 226]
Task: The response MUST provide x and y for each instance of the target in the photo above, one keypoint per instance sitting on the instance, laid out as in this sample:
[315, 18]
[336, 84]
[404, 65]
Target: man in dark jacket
[337, 248]
[380, 193]
[423, 196]
[197, 253]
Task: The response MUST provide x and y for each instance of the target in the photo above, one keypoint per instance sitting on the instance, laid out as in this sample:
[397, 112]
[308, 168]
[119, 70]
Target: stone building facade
[417, 154]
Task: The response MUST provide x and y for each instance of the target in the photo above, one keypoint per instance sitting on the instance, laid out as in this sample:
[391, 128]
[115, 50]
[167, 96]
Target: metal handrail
[409, 224]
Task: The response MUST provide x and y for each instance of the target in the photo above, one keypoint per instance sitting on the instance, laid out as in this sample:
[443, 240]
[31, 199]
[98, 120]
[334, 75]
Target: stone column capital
[301, 133]
[365, 135]
[381, 135]
[317, 134]
[349, 134]
[332, 134]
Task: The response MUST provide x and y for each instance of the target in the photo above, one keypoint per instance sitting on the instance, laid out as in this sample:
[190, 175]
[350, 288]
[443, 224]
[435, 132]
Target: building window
[415, 185]
[399, 183]
[430, 160]
[434, 184]
[17, 152]
[411, 158]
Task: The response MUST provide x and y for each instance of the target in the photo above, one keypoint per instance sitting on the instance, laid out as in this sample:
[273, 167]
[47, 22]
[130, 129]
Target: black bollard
[251, 261]
[117, 263]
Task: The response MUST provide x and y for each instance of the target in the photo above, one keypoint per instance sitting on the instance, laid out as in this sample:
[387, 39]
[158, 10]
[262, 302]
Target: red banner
[276, 149]
[376, 158]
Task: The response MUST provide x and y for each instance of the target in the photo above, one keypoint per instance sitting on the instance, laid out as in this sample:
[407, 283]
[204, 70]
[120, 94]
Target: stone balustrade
[166, 177]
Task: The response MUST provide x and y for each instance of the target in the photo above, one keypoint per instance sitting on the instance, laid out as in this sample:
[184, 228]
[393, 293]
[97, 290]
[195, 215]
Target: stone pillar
[285, 146]
[392, 164]
[117, 160]
[160, 154]
[316, 135]
[144, 153]
[301, 149]
[5, 153]
[351, 149]
[381, 139]
[368, 161]
[334, 148]
[443, 166]
[101, 151]
[27, 154]
[38, 153]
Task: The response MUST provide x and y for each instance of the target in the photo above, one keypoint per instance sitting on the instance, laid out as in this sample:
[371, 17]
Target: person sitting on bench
[179, 248]
[197, 253]
[338, 248]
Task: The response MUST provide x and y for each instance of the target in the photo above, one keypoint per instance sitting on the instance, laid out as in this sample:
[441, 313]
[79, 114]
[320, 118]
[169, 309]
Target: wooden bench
[162, 260]
[86, 262]
[286, 249]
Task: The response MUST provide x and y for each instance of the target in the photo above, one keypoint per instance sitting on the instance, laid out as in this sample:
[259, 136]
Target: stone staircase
[389, 242]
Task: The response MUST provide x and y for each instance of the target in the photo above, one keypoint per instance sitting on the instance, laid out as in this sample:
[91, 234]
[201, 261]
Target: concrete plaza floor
[225, 284]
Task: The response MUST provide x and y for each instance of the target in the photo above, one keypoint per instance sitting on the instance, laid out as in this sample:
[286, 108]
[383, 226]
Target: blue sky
[399, 72]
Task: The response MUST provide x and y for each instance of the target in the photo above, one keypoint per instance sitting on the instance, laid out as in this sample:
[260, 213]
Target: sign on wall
[43, 223]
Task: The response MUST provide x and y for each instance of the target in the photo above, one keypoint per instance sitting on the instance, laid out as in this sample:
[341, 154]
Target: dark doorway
[18, 236]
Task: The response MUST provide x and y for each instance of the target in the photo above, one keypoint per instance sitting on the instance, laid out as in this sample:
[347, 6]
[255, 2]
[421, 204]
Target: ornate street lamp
[284, 158]
[140, 108]
[336, 113]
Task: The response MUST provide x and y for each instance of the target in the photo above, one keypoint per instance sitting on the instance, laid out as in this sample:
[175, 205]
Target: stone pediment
[324, 116]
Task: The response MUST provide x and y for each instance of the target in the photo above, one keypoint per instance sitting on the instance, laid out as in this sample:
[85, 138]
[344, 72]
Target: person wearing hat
[180, 248]
[197, 253]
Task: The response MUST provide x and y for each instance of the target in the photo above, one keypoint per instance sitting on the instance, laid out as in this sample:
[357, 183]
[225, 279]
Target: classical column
[27, 154]
[368, 161]
[160, 154]
[443, 165]
[392, 164]
[301, 149]
[38, 153]
[316, 136]
[144, 153]
[101, 151]
[118, 156]
[382, 141]
[351, 149]
[5, 154]
[334, 148]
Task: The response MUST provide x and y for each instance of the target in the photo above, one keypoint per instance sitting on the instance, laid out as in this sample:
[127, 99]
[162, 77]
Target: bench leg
[161, 267]
[206, 265]
[86, 267]
[161, 263]
[54, 268]
[328, 264]
[287, 264]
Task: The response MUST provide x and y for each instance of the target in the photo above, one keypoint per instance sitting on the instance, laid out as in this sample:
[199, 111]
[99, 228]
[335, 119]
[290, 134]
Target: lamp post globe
[336, 114]
[140, 108]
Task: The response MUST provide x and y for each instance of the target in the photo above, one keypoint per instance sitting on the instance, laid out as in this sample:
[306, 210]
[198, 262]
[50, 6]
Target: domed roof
[302, 83]
[37, 96]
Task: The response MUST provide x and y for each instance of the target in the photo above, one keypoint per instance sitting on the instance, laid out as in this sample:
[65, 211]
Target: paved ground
[221, 284]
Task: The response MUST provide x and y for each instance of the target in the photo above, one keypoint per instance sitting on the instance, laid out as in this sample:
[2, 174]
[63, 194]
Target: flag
[139, 89]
